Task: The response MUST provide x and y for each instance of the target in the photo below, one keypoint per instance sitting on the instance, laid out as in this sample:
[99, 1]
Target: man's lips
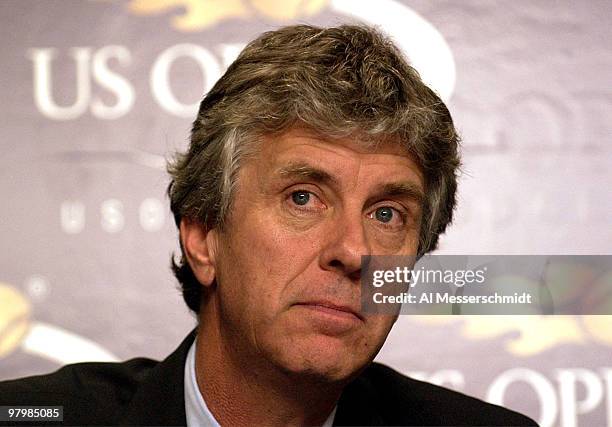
[332, 308]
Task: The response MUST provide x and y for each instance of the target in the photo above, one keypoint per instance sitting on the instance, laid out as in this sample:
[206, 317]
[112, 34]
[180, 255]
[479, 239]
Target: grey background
[533, 101]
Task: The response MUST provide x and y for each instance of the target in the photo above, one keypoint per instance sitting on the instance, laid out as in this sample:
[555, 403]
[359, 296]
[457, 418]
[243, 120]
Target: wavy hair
[341, 81]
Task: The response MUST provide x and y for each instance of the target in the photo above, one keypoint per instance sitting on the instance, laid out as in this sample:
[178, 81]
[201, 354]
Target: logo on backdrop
[201, 14]
[105, 68]
[530, 335]
[19, 331]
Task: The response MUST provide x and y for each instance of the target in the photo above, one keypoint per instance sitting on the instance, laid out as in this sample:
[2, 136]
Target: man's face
[288, 265]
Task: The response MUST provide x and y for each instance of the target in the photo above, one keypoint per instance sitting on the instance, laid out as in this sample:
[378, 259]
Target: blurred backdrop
[96, 94]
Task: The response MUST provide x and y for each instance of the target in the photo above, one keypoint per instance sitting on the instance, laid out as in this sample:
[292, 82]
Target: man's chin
[323, 359]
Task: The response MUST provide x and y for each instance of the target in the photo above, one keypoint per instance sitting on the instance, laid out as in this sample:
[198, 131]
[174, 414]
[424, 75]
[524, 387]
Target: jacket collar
[359, 405]
[160, 398]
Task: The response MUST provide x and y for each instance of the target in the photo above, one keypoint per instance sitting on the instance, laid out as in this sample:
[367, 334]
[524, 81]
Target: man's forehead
[301, 152]
[356, 143]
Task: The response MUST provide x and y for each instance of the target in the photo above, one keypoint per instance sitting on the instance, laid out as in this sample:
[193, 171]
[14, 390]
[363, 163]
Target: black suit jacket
[146, 392]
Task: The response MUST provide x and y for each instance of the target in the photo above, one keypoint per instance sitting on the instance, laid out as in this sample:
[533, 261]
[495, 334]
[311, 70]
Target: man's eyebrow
[307, 171]
[405, 189]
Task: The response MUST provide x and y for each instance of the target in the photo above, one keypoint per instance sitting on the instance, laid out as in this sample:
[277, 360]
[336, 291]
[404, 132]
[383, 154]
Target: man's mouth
[331, 317]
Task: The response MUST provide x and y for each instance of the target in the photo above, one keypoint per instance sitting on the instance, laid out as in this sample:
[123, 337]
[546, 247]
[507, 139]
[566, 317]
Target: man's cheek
[286, 251]
[378, 328]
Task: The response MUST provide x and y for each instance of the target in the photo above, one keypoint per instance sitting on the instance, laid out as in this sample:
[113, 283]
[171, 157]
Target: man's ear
[200, 247]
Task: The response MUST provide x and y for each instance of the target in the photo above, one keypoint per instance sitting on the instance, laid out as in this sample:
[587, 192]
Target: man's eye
[300, 198]
[384, 214]
[388, 216]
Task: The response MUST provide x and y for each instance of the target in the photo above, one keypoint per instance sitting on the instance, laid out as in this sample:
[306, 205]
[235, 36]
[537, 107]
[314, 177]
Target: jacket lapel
[358, 405]
[160, 398]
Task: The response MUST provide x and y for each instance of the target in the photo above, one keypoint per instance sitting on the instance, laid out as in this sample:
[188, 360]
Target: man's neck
[254, 392]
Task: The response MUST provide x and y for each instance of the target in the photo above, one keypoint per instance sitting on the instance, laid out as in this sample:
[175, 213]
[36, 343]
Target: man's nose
[346, 241]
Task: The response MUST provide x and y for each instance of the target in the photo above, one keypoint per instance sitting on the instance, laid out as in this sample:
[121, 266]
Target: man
[316, 147]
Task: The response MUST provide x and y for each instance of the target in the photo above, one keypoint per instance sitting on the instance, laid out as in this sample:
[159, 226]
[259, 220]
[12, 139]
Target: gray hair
[341, 81]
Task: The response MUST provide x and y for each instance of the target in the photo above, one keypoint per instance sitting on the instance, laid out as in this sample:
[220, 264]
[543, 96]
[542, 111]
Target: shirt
[196, 410]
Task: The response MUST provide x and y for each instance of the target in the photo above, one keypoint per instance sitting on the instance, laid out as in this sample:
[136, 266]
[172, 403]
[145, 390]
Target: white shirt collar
[196, 411]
